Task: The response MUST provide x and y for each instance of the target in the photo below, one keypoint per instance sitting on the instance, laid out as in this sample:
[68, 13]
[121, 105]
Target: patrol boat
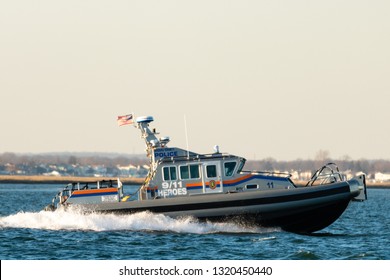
[216, 187]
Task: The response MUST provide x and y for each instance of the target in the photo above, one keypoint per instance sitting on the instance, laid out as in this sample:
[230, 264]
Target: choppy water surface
[26, 232]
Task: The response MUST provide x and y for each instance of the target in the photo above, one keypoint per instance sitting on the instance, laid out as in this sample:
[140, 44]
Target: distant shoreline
[16, 179]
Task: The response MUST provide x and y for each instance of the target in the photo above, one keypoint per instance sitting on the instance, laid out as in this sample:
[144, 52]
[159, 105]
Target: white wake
[145, 221]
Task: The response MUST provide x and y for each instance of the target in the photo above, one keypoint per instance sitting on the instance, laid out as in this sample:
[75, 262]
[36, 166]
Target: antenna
[185, 126]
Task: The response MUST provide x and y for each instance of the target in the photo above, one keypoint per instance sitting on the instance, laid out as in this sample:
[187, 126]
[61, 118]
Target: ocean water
[28, 233]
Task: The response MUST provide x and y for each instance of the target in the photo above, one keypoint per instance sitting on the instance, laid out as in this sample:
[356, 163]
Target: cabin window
[189, 171]
[169, 173]
[211, 171]
[229, 168]
[251, 187]
[194, 171]
[184, 172]
[242, 163]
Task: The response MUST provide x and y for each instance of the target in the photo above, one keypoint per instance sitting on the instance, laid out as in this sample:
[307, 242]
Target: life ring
[212, 184]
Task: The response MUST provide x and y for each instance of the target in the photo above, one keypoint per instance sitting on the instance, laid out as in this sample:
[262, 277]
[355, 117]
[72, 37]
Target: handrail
[198, 157]
[269, 173]
[327, 174]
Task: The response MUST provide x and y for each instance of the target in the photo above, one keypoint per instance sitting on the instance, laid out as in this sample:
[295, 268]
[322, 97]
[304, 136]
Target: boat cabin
[103, 191]
[176, 172]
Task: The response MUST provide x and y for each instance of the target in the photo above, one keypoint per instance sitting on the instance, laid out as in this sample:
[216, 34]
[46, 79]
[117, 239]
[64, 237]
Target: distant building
[53, 173]
[382, 177]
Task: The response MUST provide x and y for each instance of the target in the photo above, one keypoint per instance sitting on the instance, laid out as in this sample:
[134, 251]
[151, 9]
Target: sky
[280, 79]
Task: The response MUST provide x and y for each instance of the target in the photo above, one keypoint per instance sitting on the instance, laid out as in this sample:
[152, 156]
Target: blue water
[26, 232]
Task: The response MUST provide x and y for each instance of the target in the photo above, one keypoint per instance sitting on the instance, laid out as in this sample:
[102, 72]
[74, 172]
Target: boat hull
[301, 210]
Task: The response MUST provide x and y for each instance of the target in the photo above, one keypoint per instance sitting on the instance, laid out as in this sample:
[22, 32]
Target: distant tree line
[267, 164]
[84, 159]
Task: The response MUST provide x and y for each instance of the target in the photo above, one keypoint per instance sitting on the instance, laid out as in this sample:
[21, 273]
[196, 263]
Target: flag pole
[185, 126]
[134, 122]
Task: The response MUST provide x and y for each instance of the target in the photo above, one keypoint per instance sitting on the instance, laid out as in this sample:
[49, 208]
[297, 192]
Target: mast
[149, 136]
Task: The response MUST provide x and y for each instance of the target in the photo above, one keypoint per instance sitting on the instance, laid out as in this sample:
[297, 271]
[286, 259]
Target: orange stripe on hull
[228, 182]
[95, 191]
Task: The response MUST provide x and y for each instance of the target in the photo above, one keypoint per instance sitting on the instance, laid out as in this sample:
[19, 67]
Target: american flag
[125, 120]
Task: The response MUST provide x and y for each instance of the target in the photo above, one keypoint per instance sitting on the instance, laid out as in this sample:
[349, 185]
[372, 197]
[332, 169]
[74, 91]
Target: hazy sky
[281, 79]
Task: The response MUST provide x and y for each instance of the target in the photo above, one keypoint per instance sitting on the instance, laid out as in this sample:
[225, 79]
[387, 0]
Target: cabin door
[212, 177]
